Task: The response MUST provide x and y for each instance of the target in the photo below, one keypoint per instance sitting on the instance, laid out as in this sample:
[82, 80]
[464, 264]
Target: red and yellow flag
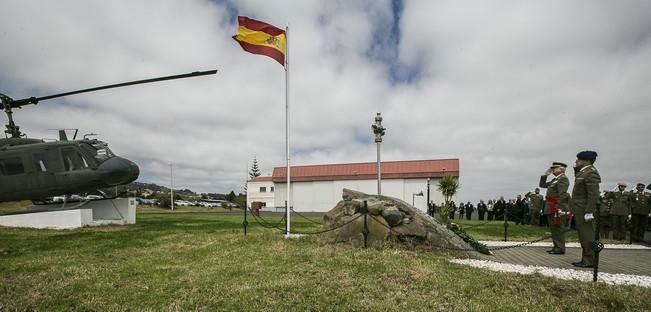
[261, 38]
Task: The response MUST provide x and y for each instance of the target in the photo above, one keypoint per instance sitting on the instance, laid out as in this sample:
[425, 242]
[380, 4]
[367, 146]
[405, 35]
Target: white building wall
[321, 196]
[253, 193]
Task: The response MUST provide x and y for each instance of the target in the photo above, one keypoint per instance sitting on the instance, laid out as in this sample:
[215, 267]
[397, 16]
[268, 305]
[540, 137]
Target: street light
[428, 207]
[379, 131]
[413, 197]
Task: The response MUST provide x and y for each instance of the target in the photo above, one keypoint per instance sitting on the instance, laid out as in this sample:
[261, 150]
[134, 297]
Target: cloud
[507, 87]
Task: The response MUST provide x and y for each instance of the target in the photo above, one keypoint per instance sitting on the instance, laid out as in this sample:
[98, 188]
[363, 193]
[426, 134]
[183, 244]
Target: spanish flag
[261, 38]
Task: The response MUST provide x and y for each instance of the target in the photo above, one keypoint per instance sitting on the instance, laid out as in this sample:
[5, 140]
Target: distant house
[260, 189]
[318, 188]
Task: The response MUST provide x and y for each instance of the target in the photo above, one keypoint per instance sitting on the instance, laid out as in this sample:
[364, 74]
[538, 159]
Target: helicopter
[36, 169]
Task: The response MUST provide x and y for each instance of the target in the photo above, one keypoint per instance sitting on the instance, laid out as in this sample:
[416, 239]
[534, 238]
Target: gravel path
[567, 274]
[568, 245]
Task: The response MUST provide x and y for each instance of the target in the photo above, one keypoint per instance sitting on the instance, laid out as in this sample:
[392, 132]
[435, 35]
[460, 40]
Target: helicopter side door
[42, 172]
[15, 181]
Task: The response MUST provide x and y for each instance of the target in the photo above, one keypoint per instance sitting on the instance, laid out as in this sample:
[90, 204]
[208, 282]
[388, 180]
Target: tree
[231, 196]
[448, 186]
[255, 169]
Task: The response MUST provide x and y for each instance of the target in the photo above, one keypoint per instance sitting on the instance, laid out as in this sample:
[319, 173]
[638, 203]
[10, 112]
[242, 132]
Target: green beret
[587, 155]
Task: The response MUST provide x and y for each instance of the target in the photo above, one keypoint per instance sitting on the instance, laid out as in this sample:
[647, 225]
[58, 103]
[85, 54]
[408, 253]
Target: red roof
[365, 171]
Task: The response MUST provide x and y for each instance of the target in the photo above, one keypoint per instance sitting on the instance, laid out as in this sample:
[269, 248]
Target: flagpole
[287, 151]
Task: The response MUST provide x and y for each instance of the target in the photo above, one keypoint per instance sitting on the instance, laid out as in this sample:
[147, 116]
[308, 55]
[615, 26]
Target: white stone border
[569, 245]
[566, 274]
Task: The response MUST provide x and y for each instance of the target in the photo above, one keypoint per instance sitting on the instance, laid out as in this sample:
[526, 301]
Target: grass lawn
[203, 262]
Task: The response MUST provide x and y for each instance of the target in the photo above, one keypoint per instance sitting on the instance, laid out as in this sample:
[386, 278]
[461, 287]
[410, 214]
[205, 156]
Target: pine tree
[255, 169]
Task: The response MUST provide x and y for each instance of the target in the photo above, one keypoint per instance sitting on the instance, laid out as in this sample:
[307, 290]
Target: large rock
[388, 218]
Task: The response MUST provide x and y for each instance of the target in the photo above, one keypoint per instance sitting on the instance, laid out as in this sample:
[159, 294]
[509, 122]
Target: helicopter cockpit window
[11, 166]
[40, 162]
[72, 160]
[99, 150]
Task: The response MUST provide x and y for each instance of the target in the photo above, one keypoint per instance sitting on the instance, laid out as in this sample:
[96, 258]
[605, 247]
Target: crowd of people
[615, 212]
[521, 210]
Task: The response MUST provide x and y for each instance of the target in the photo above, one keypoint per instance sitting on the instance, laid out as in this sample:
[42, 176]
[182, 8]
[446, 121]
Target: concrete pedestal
[97, 212]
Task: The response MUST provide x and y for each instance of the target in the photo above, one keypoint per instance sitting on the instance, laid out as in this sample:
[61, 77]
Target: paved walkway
[622, 261]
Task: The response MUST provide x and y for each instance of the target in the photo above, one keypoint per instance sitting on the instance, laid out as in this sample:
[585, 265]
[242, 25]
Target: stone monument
[389, 218]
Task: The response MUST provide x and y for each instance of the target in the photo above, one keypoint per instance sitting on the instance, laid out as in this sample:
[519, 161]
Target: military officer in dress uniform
[640, 208]
[620, 209]
[556, 204]
[585, 196]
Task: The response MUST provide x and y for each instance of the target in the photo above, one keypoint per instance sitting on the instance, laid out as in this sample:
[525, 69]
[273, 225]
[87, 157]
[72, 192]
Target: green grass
[204, 262]
[14, 207]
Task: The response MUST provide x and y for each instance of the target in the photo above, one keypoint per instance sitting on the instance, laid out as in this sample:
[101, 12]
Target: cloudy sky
[505, 86]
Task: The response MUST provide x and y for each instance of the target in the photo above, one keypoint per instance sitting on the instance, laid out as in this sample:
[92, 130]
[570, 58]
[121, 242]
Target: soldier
[585, 196]
[605, 219]
[640, 208]
[535, 206]
[620, 208]
[556, 204]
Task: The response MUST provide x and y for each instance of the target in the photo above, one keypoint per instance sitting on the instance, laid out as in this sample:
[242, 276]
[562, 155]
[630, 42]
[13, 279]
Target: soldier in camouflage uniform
[535, 206]
[605, 219]
[585, 196]
[556, 204]
[620, 208]
[640, 209]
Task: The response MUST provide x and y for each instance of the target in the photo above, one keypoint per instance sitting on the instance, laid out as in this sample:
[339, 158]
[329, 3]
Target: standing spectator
[462, 210]
[451, 207]
[469, 210]
[500, 209]
[535, 207]
[604, 218]
[481, 210]
[620, 207]
[519, 208]
[640, 209]
[490, 210]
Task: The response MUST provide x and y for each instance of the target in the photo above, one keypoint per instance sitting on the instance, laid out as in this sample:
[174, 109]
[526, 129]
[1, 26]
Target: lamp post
[379, 131]
[413, 197]
[428, 207]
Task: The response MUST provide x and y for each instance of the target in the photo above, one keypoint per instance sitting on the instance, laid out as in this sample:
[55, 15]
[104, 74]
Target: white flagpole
[287, 151]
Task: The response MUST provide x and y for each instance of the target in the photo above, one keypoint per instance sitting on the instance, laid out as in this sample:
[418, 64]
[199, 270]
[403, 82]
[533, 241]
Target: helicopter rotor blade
[35, 100]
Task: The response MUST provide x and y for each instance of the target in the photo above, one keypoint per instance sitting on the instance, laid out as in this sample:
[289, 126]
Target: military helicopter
[35, 169]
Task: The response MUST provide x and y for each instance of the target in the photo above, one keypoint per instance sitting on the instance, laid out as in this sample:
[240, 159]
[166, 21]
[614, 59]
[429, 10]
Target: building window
[272, 189]
[263, 189]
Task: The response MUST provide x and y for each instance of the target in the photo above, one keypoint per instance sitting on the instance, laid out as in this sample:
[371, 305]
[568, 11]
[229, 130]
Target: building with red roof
[318, 188]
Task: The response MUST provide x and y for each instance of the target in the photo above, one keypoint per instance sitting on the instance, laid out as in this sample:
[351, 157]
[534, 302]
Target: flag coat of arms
[261, 38]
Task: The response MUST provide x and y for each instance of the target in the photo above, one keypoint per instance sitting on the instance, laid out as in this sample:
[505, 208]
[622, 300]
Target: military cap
[648, 187]
[640, 184]
[622, 184]
[558, 164]
[587, 155]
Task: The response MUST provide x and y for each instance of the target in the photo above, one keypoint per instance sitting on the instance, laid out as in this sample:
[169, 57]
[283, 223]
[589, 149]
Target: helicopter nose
[118, 170]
